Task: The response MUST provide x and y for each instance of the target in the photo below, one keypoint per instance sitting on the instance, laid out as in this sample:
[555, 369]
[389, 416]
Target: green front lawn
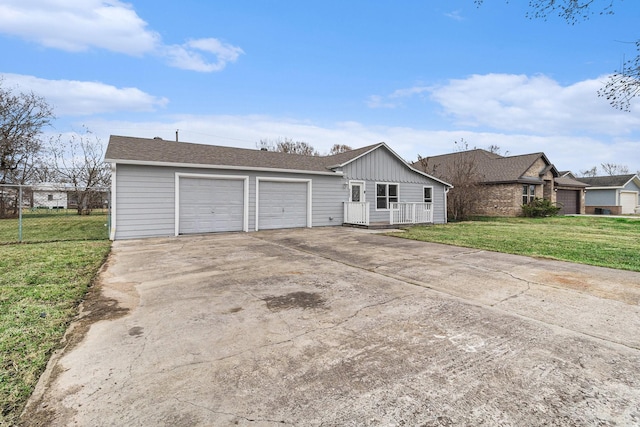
[601, 241]
[52, 225]
[41, 286]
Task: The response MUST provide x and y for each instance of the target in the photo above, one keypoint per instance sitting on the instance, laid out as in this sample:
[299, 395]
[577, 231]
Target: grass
[41, 285]
[605, 242]
[43, 226]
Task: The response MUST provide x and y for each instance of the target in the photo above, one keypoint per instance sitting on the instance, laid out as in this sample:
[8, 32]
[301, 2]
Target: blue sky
[418, 75]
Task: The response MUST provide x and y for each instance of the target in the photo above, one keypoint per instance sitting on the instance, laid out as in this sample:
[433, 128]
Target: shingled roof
[124, 149]
[567, 181]
[494, 168]
[609, 181]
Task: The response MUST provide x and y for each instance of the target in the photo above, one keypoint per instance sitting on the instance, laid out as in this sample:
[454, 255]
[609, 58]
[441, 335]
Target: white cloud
[377, 101]
[79, 25]
[456, 15]
[188, 56]
[393, 100]
[566, 152]
[538, 104]
[409, 92]
[71, 97]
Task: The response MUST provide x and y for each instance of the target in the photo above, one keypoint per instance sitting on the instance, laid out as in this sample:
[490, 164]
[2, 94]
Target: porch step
[381, 225]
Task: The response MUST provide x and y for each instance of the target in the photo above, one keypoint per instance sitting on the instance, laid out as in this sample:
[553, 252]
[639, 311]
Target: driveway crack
[248, 419]
[295, 337]
[517, 294]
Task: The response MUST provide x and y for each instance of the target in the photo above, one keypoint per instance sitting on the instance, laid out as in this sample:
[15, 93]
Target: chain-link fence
[53, 212]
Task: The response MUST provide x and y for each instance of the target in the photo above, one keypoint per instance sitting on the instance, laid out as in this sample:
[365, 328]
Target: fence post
[20, 213]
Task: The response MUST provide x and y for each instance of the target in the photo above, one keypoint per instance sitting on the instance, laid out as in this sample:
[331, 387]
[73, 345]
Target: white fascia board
[360, 156]
[446, 184]
[383, 144]
[113, 206]
[603, 188]
[635, 178]
[223, 167]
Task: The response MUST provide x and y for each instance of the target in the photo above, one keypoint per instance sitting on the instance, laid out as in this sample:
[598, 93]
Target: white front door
[357, 191]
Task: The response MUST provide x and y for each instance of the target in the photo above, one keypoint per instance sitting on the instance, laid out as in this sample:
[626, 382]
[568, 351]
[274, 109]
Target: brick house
[508, 182]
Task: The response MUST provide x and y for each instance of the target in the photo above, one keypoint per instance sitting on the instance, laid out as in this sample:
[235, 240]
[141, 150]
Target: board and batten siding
[145, 198]
[380, 166]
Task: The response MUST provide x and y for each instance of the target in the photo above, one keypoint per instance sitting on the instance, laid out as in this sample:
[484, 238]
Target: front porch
[400, 213]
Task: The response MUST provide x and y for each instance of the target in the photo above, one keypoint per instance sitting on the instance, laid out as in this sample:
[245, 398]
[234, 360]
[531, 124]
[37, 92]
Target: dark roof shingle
[492, 167]
[146, 150]
[607, 181]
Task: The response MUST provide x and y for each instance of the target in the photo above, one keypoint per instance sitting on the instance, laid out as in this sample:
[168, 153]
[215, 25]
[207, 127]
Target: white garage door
[282, 205]
[629, 201]
[211, 205]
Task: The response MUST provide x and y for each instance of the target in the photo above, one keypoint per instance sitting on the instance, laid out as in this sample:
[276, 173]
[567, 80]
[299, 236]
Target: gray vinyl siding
[380, 166]
[608, 197]
[145, 198]
[601, 198]
[631, 186]
[145, 203]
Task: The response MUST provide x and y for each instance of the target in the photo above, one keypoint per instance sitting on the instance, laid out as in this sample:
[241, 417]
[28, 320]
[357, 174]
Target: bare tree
[23, 115]
[589, 172]
[463, 173]
[465, 196]
[624, 84]
[495, 149]
[614, 169]
[339, 148]
[288, 145]
[77, 164]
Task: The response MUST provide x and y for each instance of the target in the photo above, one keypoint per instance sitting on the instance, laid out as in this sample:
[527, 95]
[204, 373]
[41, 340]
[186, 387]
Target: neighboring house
[49, 195]
[616, 194]
[165, 188]
[508, 182]
[56, 195]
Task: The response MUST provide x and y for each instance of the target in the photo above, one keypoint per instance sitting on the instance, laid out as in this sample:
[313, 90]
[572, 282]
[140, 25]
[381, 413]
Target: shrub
[540, 208]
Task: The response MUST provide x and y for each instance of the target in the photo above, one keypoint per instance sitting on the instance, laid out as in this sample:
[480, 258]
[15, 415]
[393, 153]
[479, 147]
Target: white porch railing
[356, 213]
[410, 213]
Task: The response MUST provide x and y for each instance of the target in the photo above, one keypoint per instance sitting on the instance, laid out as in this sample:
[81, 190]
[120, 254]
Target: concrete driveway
[343, 327]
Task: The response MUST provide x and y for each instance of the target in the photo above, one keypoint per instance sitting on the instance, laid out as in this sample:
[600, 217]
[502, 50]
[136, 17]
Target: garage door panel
[282, 205]
[628, 201]
[568, 200]
[211, 205]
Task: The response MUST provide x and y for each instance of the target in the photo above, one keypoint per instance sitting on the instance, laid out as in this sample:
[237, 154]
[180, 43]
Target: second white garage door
[282, 204]
[629, 201]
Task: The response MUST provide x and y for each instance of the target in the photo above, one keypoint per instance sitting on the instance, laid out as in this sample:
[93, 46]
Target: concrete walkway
[339, 326]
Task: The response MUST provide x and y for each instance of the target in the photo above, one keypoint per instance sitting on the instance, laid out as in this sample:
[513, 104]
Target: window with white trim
[386, 194]
[427, 193]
